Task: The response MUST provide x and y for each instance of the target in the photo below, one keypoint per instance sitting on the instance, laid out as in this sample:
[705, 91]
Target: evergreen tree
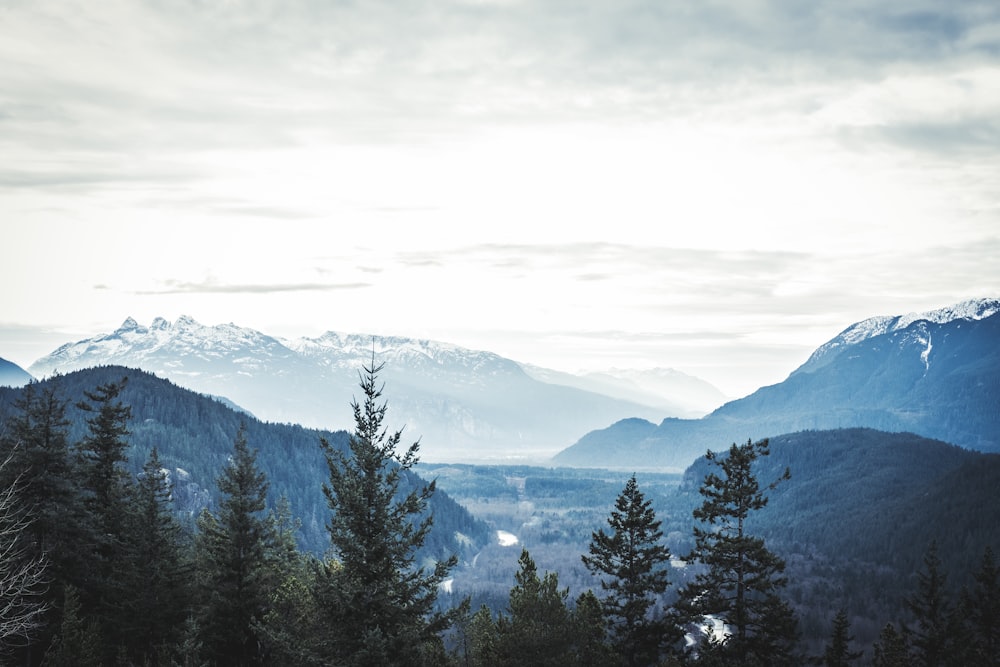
[932, 637]
[981, 609]
[379, 604]
[77, 643]
[741, 577]
[589, 633]
[631, 563]
[291, 626]
[838, 650]
[483, 641]
[891, 649]
[233, 549]
[155, 597]
[106, 493]
[36, 441]
[537, 630]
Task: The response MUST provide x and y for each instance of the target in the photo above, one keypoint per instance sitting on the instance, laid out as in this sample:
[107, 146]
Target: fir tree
[741, 577]
[981, 609]
[631, 562]
[891, 649]
[155, 601]
[380, 606]
[933, 634]
[106, 487]
[233, 549]
[537, 630]
[838, 650]
[36, 440]
[589, 633]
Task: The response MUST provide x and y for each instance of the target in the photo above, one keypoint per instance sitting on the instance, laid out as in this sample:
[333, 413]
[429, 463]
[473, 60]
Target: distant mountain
[12, 375]
[194, 435]
[668, 390]
[936, 374]
[463, 404]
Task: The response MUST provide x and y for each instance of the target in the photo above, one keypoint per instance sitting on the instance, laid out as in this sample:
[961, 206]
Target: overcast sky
[717, 187]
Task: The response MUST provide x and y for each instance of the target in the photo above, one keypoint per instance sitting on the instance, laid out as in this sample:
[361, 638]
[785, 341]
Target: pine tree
[77, 643]
[838, 651]
[233, 548]
[537, 629]
[891, 649]
[106, 487]
[483, 641]
[933, 634]
[981, 609]
[631, 561]
[741, 577]
[380, 605]
[155, 597]
[589, 634]
[36, 440]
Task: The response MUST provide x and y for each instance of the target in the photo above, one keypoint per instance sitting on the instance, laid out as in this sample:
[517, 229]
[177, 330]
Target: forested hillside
[194, 435]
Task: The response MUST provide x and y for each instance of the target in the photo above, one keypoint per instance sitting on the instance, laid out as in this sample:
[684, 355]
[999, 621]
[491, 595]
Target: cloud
[215, 287]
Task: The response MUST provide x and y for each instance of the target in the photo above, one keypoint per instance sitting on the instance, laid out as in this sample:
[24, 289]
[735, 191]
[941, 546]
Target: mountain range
[463, 404]
[936, 374]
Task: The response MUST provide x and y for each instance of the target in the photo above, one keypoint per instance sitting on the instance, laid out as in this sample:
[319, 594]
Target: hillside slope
[194, 435]
[938, 376]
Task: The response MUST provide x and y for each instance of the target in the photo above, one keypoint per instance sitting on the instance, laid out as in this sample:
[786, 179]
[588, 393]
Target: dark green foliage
[590, 645]
[106, 493]
[232, 556]
[741, 577]
[838, 651]
[77, 642]
[981, 613]
[155, 600]
[380, 602]
[891, 649]
[631, 561]
[35, 445]
[536, 629]
[933, 637]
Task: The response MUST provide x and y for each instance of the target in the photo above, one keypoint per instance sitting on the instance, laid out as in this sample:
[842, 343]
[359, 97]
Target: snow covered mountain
[462, 404]
[971, 310]
[934, 374]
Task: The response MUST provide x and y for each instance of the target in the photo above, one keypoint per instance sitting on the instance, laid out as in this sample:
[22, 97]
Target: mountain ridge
[937, 376]
[12, 375]
[465, 405]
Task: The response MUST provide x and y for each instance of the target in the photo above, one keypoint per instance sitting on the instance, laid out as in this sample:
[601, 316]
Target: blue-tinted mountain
[935, 374]
[463, 404]
[194, 435]
[12, 375]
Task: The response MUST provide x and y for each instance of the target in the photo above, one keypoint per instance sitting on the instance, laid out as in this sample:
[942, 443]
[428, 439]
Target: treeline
[97, 569]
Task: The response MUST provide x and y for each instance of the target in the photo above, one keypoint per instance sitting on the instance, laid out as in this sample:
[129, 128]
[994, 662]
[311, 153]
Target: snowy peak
[971, 310]
[133, 344]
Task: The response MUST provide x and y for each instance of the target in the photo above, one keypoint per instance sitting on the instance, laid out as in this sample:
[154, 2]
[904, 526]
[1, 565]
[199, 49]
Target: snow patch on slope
[972, 310]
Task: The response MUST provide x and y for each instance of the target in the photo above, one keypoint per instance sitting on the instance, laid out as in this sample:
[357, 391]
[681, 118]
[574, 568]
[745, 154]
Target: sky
[716, 187]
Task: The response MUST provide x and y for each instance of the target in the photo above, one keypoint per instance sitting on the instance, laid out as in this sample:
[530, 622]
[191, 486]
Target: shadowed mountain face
[462, 404]
[12, 375]
[937, 375]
